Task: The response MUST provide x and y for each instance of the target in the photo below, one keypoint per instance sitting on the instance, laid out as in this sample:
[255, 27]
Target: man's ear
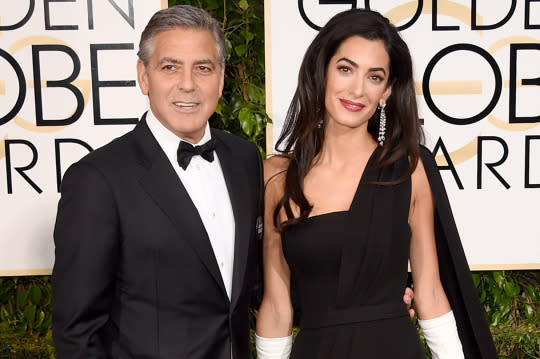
[222, 80]
[142, 77]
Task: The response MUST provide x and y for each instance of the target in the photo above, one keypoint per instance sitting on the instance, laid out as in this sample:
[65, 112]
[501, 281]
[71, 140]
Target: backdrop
[477, 78]
[67, 86]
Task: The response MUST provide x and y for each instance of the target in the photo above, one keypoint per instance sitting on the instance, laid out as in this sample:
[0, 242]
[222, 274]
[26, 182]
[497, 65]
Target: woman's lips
[351, 106]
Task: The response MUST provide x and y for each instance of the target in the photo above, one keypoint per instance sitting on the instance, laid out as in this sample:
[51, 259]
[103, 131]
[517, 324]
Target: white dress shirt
[205, 184]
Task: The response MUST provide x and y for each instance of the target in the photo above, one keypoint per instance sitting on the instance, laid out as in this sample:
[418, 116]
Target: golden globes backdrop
[477, 77]
[67, 86]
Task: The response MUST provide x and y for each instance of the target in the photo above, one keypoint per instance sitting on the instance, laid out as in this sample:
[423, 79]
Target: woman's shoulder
[275, 167]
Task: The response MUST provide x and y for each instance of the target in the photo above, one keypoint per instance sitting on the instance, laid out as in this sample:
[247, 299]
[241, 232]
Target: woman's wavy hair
[301, 138]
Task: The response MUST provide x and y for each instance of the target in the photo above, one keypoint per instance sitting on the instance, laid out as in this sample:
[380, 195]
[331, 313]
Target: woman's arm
[435, 316]
[430, 299]
[275, 315]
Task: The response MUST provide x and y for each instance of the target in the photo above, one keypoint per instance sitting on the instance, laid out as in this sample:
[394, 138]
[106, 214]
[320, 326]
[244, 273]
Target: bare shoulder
[275, 167]
[420, 181]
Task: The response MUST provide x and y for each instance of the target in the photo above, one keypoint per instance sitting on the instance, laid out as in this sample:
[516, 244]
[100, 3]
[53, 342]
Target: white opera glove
[273, 348]
[442, 336]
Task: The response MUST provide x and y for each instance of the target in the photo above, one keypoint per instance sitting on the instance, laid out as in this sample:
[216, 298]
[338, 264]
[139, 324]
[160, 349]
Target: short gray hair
[181, 16]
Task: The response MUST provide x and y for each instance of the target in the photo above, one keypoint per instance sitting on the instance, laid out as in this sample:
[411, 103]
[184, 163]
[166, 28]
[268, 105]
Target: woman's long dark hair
[301, 139]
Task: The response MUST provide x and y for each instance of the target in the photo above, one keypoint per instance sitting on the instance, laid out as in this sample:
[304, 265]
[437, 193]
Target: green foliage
[24, 346]
[241, 109]
[25, 305]
[511, 301]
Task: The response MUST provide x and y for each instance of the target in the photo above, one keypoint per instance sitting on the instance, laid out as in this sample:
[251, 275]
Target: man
[156, 250]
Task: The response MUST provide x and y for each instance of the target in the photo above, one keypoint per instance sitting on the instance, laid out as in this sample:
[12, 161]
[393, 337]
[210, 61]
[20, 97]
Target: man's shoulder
[112, 154]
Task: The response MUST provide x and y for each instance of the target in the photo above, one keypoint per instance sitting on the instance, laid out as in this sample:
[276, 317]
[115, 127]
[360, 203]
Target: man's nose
[186, 81]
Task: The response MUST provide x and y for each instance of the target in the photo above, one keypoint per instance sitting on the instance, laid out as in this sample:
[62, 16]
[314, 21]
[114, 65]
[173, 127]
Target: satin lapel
[162, 184]
[235, 177]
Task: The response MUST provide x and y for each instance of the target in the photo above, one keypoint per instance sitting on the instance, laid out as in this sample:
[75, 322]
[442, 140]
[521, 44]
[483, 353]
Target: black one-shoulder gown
[349, 271]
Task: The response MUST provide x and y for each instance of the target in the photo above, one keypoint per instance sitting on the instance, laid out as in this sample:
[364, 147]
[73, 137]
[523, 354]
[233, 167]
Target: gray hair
[181, 16]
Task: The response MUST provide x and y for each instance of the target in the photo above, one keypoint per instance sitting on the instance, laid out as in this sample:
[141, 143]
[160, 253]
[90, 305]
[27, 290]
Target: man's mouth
[187, 106]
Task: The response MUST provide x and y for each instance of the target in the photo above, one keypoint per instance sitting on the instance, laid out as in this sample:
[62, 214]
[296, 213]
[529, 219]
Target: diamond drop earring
[382, 125]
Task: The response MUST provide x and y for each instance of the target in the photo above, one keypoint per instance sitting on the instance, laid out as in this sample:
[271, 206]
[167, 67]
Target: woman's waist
[319, 318]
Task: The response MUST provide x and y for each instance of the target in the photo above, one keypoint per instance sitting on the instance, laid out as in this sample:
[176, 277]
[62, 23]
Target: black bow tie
[186, 151]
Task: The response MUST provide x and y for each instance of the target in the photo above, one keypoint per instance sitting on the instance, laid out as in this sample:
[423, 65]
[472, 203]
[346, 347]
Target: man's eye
[203, 68]
[169, 67]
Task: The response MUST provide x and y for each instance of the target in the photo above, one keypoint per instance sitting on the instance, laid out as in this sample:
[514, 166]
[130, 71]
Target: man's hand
[408, 298]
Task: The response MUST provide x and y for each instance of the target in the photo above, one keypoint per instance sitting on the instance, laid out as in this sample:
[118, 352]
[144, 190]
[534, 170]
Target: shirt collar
[167, 139]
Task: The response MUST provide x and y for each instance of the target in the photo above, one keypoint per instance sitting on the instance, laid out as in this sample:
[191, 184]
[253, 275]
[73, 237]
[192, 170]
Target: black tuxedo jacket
[135, 275]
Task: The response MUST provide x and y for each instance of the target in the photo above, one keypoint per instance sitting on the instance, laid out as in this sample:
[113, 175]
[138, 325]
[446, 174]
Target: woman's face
[356, 82]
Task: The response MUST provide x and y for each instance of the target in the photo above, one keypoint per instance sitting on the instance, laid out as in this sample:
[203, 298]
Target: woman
[351, 201]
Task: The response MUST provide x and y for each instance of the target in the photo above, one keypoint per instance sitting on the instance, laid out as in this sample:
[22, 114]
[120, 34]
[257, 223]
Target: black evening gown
[349, 272]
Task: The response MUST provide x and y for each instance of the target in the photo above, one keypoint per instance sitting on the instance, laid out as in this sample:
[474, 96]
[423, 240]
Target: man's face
[183, 80]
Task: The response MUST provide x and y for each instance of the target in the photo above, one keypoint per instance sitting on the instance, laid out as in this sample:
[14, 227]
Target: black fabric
[350, 272]
[455, 273]
[345, 263]
[135, 275]
[186, 151]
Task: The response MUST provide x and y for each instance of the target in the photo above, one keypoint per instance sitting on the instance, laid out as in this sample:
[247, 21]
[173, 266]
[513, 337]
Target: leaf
[499, 278]
[243, 4]
[22, 298]
[48, 321]
[4, 314]
[495, 319]
[211, 5]
[39, 319]
[533, 292]
[511, 289]
[246, 122]
[219, 108]
[35, 294]
[476, 279]
[529, 311]
[240, 49]
[254, 93]
[30, 314]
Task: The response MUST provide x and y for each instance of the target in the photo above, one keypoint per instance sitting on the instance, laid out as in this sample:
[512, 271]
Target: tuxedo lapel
[161, 182]
[235, 178]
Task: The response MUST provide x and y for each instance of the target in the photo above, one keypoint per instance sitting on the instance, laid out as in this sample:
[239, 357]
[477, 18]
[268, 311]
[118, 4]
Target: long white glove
[442, 336]
[273, 348]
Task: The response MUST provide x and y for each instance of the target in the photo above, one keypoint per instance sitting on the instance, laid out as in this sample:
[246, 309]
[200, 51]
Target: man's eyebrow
[170, 60]
[175, 61]
[207, 61]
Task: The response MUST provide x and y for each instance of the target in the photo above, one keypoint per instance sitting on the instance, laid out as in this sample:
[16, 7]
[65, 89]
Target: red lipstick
[351, 106]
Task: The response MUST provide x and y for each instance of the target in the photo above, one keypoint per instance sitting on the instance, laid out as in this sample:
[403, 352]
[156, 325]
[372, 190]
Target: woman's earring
[320, 124]
[382, 125]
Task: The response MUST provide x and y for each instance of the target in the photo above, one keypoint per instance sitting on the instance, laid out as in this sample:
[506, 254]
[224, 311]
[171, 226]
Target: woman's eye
[345, 69]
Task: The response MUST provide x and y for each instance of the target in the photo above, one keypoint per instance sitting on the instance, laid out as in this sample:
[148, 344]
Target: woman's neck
[342, 147]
